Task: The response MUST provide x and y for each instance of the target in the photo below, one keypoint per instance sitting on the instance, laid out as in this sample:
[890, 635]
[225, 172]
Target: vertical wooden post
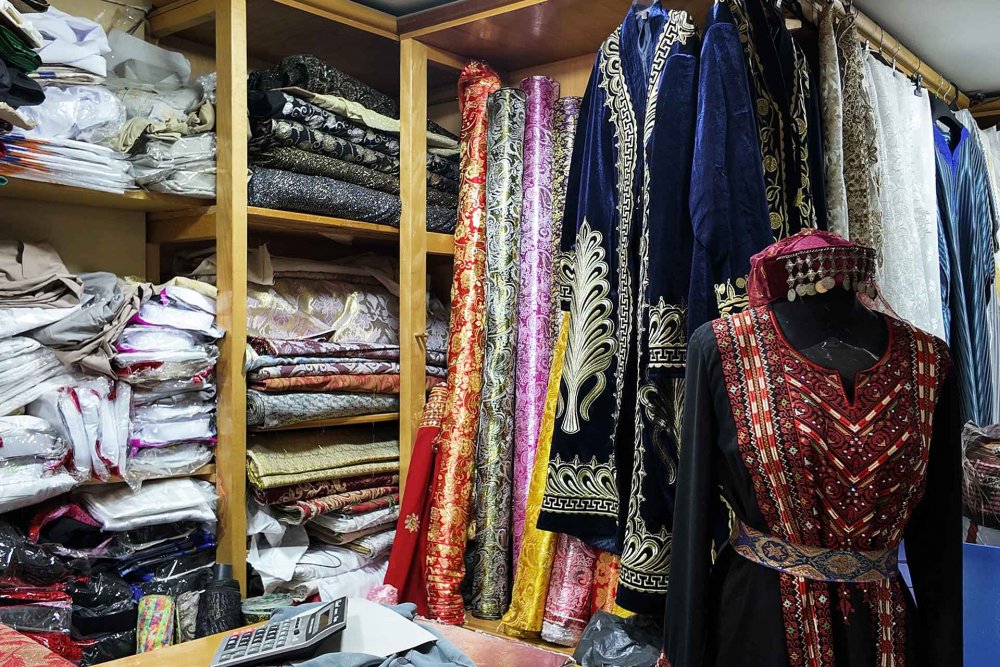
[231, 246]
[412, 244]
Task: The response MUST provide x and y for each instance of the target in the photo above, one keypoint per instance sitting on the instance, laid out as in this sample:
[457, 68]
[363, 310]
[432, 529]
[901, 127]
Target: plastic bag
[22, 561]
[167, 313]
[190, 367]
[38, 617]
[162, 434]
[166, 461]
[27, 436]
[84, 113]
[31, 483]
[622, 642]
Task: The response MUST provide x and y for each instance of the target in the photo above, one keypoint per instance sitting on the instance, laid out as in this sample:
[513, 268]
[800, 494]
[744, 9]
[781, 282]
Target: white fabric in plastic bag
[25, 366]
[85, 113]
[21, 486]
[157, 502]
[145, 338]
[162, 461]
[26, 436]
[14, 321]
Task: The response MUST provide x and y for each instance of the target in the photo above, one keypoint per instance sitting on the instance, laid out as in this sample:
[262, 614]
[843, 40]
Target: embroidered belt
[818, 563]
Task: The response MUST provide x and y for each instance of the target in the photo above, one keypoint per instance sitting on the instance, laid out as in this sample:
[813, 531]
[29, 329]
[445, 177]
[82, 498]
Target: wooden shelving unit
[206, 472]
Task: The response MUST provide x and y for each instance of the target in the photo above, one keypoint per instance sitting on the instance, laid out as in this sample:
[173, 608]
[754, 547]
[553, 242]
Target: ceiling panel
[958, 38]
[400, 7]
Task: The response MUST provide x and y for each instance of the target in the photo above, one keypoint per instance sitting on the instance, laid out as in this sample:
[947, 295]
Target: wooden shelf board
[338, 421]
[493, 628]
[198, 224]
[546, 30]
[136, 200]
[204, 472]
[440, 244]
[265, 219]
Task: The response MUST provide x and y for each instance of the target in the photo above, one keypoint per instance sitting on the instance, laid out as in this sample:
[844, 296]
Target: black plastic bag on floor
[612, 641]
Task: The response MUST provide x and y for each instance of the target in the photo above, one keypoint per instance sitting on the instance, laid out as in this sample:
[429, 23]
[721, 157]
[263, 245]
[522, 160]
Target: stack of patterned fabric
[324, 338]
[323, 142]
[327, 504]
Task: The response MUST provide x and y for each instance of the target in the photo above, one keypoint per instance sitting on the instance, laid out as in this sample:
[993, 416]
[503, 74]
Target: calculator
[284, 640]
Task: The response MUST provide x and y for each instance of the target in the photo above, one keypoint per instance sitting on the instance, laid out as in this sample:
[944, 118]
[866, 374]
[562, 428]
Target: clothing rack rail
[892, 50]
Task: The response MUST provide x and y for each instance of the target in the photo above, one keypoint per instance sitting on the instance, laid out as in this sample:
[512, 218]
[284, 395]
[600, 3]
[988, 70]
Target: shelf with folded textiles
[206, 472]
[133, 200]
[356, 420]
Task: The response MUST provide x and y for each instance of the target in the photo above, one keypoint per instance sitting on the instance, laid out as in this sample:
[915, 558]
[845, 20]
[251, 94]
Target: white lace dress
[832, 105]
[910, 273]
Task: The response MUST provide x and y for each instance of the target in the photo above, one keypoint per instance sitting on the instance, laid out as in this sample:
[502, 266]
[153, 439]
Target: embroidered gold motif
[619, 102]
[592, 344]
[667, 335]
[575, 487]
[663, 410]
[731, 296]
[412, 523]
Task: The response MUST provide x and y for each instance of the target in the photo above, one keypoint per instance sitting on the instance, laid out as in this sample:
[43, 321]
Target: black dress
[794, 456]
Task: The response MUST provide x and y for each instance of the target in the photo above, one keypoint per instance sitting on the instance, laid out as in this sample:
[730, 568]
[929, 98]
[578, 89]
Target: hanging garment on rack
[966, 230]
[861, 157]
[407, 570]
[909, 275]
[446, 539]
[777, 116]
[643, 80]
[832, 103]
[567, 116]
[534, 566]
[495, 447]
[534, 303]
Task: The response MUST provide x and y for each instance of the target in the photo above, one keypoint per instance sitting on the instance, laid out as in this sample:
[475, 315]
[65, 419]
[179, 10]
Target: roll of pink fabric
[446, 538]
[534, 336]
[571, 587]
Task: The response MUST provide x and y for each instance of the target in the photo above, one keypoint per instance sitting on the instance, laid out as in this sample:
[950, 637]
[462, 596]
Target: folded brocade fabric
[377, 384]
[276, 347]
[334, 367]
[442, 166]
[289, 191]
[266, 134]
[301, 511]
[315, 164]
[281, 459]
[308, 490]
[269, 411]
[275, 104]
[314, 75]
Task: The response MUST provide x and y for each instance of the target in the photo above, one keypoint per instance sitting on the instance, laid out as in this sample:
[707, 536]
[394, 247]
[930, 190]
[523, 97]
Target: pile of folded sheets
[324, 509]
[168, 354]
[19, 41]
[323, 142]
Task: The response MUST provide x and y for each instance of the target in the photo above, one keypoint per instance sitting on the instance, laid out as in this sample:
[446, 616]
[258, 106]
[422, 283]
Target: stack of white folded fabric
[168, 355]
[158, 502]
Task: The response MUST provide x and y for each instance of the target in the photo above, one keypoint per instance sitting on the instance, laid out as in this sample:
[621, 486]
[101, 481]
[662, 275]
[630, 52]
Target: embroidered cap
[809, 263]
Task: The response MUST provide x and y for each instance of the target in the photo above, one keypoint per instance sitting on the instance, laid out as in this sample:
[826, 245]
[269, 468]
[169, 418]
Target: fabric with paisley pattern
[534, 566]
[452, 494]
[494, 451]
[534, 309]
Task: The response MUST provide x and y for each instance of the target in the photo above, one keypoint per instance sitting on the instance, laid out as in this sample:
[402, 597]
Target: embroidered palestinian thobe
[763, 104]
[823, 486]
[965, 230]
[626, 254]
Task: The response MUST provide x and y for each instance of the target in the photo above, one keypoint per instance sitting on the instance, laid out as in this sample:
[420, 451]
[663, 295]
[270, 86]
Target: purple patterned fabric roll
[534, 311]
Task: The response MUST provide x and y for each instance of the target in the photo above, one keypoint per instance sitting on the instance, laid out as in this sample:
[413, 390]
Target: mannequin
[836, 331]
[827, 429]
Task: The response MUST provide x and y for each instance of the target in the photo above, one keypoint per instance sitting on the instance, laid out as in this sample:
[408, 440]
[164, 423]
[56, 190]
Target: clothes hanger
[918, 79]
